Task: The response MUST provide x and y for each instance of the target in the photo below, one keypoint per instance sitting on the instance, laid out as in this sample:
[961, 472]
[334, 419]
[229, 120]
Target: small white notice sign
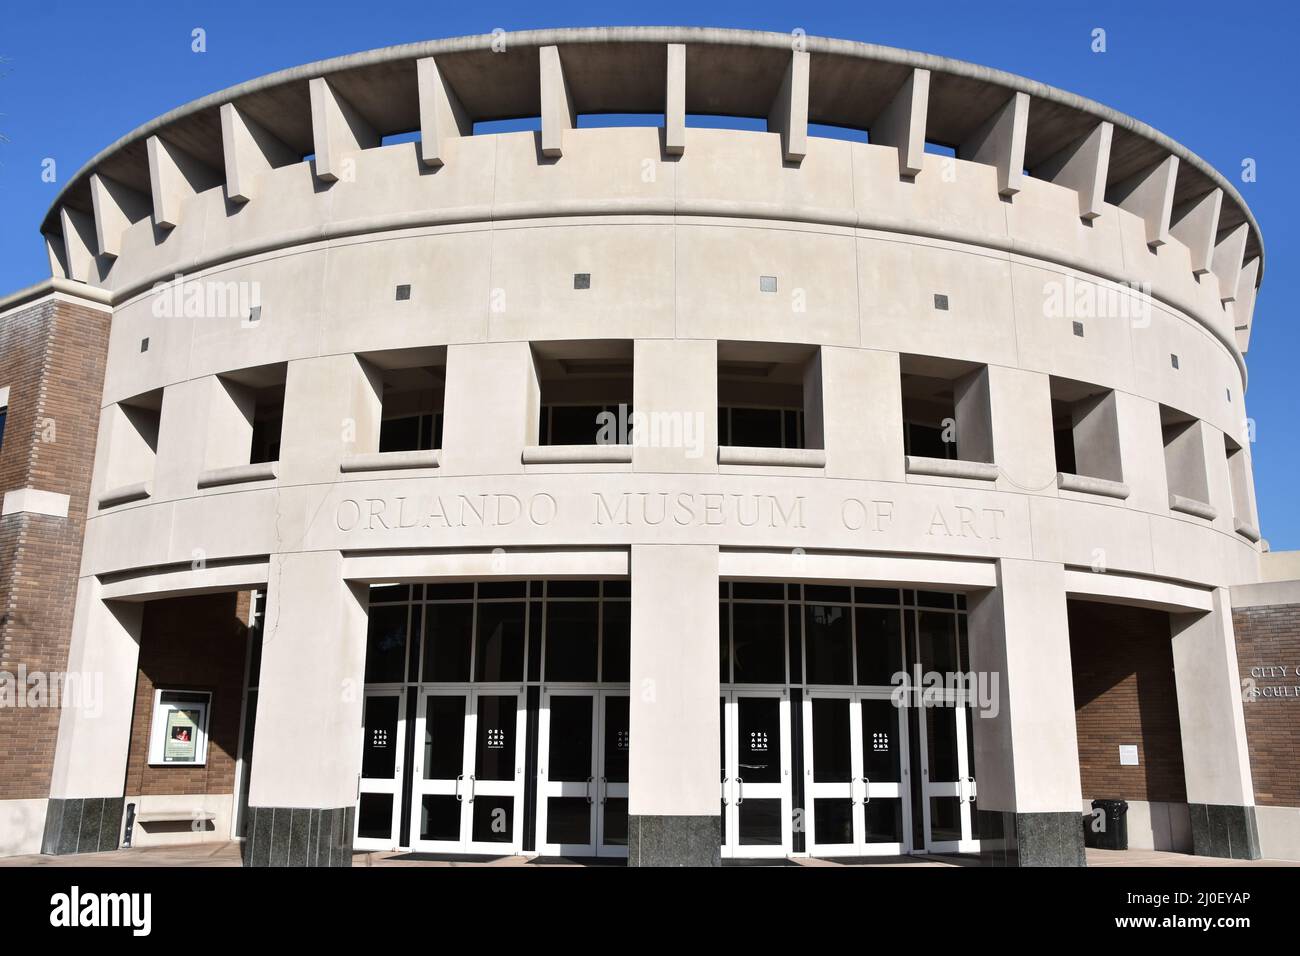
[1128, 755]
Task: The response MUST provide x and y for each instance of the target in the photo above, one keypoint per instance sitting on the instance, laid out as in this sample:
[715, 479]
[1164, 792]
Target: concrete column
[250, 152]
[557, 110]
[492, 403]
[1195, 224]
[673, 799]
[862, 414]
[339, 131]
[1020, 406]
[86, 786]
[1000, 142]
[174, 178]
[79, 244]
[1243, 309]
[901, 124]
[303, 789]
[1226, 262]
[675, 101]
[675, 395]
[184, 450]
[1026, 754]
[1216, 762]
[332, 407]
[789, 114]
[442, 117]
[1082, 166]
[116, 207]
[1149, 195]
[1142, 451]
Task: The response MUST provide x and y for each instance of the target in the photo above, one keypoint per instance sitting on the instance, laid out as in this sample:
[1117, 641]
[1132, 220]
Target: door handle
[589, 779]
[853, 792]
[866, 790]
[740, 794]
[971, 797]
[472, 782]
[604, 791]
[459, 778]
[725, 801]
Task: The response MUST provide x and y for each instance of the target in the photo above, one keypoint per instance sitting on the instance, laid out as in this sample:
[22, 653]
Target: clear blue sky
[1218, 77]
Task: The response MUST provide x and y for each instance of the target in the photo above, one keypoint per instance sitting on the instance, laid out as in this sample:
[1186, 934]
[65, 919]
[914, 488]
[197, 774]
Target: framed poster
[179, 733]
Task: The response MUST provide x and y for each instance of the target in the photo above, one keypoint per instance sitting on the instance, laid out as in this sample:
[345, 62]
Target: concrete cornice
[47, 287]
[685, 35]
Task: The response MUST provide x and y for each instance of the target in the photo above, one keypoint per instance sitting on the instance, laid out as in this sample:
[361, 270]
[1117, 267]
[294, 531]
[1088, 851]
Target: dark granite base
[291, 836]
[82, 825]
[1224, 831]
[1030, 839]
[674, 841]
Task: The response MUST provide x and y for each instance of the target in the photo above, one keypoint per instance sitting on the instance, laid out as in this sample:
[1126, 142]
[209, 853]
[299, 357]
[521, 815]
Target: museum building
[665, 443]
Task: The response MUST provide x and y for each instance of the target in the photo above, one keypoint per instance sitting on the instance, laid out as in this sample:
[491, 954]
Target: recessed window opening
[586, 392]
[939, 149]
[769, 395]
[1185, 468]
[256, 407]
[945, 409]
[1238, 480]
[133, 439]
[1085, 430]
[412, 385]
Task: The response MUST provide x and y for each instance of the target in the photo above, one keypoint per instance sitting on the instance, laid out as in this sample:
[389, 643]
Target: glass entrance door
[756, 797]
[469, 770]
[582, 777]
[947, 780]
[855, 774]
[379, 794]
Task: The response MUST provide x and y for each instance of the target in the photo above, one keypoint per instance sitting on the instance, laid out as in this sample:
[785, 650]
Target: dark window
[828, 650]
[266, 438]
[1064, 440]
[411, 433]
[3, 413]
[743, 427]
[616, 641]
[571, 639]
[448, 631]
[499, 651]
[759, 643]
[578, 424]
[926, 441]
[386, 644]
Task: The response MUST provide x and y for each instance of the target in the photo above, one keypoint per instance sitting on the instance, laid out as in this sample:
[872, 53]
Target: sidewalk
[227, 854]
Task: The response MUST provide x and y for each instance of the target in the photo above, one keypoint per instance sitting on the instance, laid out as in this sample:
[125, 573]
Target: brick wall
[52, 358]
[191, 643]
[1124, 693]
[1270, 637]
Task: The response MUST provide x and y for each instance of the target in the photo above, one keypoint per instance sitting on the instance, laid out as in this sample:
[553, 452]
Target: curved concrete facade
[1064, 302]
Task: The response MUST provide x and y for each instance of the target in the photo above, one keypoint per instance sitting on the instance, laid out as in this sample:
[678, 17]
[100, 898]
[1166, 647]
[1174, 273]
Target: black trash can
[1107, 828]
